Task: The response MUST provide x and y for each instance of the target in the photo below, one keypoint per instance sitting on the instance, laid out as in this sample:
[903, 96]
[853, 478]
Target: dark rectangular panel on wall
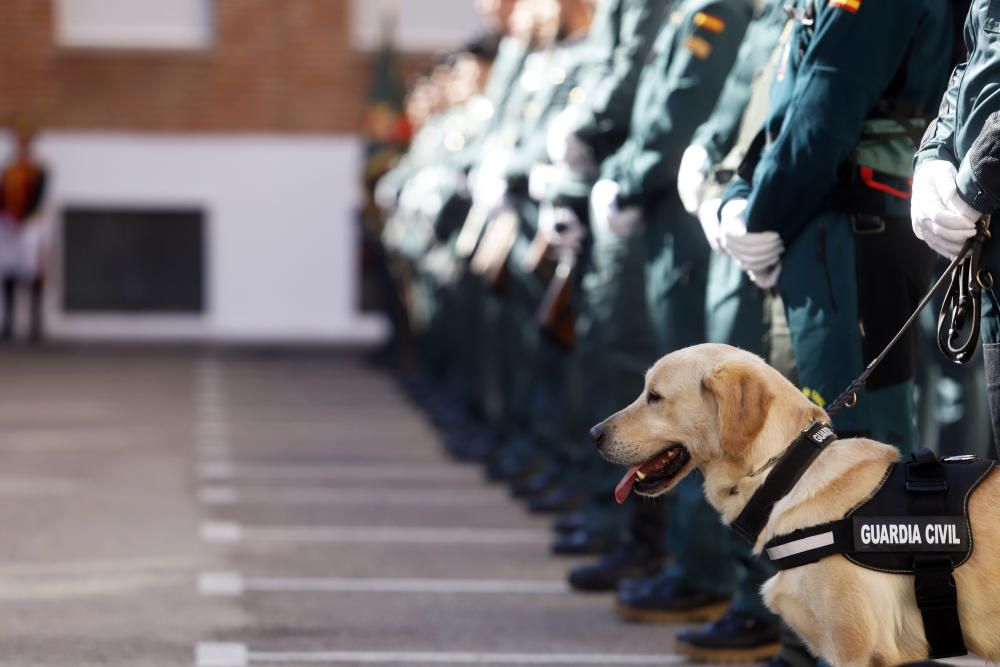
[124, 260]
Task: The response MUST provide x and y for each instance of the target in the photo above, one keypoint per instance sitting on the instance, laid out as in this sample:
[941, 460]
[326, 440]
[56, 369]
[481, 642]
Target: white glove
[708, 216]
[940, 216]
[691, 177]
[386, 196]
[757, 252]
[564, 147]
[606, 213]
[561, 227]
[540, 179]
[488, 190]
[767, 279]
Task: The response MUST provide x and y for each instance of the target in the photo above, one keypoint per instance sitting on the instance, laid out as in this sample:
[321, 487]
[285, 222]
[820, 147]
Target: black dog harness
[916, 522]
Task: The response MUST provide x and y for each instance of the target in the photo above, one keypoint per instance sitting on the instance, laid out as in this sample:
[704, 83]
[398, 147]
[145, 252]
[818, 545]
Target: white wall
[423, 25]
[143, 24]
[282, 249]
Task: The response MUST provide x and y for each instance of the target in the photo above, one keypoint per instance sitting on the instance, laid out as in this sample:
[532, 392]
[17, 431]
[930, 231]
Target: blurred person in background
[738, 312]
[610, 330]
[529, 376]
[22, 231]
[635, 199]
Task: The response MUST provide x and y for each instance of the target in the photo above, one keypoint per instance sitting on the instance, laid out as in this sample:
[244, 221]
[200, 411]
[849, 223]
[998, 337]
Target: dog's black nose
[598, 434]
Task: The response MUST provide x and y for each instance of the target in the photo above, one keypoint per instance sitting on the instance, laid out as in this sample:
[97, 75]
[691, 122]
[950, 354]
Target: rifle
[538, 260]
[472, 231]
[556, 316]
[490, 260]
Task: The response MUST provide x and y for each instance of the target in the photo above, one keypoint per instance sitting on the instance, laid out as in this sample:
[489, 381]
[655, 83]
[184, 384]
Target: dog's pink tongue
[625, 486]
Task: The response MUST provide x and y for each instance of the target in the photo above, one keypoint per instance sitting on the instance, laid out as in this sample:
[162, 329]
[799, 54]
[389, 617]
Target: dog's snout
[599, 434]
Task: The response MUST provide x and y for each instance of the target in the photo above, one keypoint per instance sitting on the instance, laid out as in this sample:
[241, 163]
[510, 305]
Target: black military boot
[663, 599]
[480, 448]
[9, 294]
[570, 522]
[735, 638]
[561, 498]
[627, 560]
[511, 465]
[37, 311]
[584, 541]
[536, 484]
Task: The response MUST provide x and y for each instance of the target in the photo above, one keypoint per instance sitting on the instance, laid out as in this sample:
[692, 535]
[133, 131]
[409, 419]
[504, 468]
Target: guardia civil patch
[849, 5]
[911, 533]
[709, 22]
[699, 46]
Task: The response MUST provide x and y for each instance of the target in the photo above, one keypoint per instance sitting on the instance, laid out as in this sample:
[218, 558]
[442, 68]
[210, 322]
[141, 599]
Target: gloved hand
[757, 252]
[691, 177]
[565, 147]
[561, 227]
[605, 211]
[767, 279]
[708, 216]
[940, 216]
[386, 196]
[540, 178]
[488, 190]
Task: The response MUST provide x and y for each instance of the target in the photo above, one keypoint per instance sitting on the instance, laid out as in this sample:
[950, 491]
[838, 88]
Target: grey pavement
[246, 508]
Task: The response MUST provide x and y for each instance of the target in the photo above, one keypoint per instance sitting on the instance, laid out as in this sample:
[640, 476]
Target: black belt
[865, 191]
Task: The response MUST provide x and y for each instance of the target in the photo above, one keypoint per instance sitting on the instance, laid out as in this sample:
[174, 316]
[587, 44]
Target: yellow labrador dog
[727, 413]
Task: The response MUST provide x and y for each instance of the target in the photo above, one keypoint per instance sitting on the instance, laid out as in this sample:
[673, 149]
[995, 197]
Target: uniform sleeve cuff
[972, 192]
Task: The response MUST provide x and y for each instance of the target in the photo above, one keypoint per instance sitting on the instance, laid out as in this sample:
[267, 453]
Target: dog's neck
[730, 485]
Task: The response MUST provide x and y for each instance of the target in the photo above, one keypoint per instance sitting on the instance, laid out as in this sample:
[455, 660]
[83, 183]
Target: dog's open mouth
[648, 477]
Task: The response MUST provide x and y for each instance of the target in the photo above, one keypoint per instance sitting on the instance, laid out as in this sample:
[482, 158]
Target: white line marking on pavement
[968, 661]
[210, 654]
[233, 584]
[216, 470]
[220, 532]
[219, 470]
[228, 495]
[218, 495]
[221, 583]
[238, 655]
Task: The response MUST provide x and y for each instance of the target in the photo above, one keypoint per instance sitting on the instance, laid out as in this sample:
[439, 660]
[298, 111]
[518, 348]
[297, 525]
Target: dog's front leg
[833, 614]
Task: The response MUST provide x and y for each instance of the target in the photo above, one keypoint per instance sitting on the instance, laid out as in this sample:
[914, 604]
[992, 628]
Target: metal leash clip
[959, 319]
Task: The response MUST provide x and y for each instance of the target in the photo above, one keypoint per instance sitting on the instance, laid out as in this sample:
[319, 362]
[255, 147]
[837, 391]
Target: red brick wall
[275, 66]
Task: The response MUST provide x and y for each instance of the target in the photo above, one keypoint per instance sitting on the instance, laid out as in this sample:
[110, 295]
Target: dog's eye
[653, 397]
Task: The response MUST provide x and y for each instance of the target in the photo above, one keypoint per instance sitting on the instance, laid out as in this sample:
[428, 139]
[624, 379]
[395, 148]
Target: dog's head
[710, 407]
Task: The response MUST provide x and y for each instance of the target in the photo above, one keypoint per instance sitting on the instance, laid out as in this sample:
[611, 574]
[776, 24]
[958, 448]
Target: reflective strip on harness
[800, 546]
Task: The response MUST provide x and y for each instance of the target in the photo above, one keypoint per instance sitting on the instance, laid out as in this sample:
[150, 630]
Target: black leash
[962, 305]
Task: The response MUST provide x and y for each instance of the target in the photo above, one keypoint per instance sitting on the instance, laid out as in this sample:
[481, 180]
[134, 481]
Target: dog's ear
[744, 399]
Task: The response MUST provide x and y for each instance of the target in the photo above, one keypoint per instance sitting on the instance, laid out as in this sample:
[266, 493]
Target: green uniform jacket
[973, 94]
[564, 68]
[856, 53]
[719, 133]
[499, 90]
[621, 38]
[620, 41]
[677, 89]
